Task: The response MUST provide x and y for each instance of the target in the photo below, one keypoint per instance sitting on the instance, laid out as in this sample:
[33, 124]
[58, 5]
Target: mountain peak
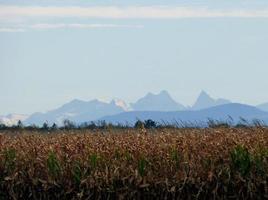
[72, 103]
[204, 94]
[164, 92]
[205, 101]
[97, 101]
[75, 101]
[149, 94]
[77, 111]
[157, 102]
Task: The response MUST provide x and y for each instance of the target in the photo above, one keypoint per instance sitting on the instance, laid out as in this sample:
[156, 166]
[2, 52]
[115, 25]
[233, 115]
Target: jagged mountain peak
[204, 100]
[150, 94]
[163, 94]
[77, 111]
[82, 111]
[157, 102]
[204, 96]
[203, 93]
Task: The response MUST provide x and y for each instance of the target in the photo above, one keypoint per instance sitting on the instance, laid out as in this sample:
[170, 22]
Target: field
[211, 163]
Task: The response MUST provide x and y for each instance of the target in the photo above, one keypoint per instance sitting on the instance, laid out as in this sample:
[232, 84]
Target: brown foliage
[126, 164]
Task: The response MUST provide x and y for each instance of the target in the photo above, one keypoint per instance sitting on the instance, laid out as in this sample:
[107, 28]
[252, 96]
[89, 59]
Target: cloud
[129, 12]
[51, 26]
[80, 26]
[11, 30]
[19, 18]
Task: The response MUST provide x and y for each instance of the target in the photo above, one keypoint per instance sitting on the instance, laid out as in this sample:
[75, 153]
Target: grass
[210, 163]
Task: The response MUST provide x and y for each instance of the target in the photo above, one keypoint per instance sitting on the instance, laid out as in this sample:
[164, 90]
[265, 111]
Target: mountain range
[77, 111]
[226, 112]
[159, 107]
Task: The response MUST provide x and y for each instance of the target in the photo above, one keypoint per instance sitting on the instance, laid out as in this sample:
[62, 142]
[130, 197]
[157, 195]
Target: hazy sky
[53, 51]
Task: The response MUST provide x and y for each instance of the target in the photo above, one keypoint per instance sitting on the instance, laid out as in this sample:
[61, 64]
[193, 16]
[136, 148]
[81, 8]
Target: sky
[53, 51]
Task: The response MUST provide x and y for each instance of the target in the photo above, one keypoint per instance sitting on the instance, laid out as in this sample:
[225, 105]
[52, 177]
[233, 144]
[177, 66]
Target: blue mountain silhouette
[263, 107]
[158, 107]
[77, 111]
[157, 102]
[222, 113]
[205, 101]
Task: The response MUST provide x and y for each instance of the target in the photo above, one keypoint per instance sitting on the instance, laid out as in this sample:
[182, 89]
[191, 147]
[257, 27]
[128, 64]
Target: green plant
[241, 161]
[93, 159]
[128, 156]
[77, 172]
[53, 164]
[142, 163]
[259, 159]
[184, 163]
[10, 157]
[117, 154]
[175, 157]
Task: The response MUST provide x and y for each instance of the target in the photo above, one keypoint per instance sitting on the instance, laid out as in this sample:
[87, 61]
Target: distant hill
[157, 102]
[263, 107]
[77, 111]
[222, 112]
[205, 101]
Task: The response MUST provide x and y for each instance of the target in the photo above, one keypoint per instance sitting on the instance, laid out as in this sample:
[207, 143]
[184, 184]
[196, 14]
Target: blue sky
[54, 51]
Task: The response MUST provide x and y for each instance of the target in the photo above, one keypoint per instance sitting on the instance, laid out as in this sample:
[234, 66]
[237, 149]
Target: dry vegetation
[135, 164]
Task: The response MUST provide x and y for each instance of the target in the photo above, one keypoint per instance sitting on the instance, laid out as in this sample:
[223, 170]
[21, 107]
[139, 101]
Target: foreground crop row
[135, 164]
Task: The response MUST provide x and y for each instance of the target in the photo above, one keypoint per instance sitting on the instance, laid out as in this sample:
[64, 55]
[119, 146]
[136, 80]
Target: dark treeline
[146, 124]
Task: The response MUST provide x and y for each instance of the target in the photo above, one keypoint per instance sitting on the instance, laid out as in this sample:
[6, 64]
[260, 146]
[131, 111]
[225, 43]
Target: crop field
[210, 163]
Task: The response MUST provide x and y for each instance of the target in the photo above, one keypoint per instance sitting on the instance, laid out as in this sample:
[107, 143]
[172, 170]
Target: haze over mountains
[159, 107]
